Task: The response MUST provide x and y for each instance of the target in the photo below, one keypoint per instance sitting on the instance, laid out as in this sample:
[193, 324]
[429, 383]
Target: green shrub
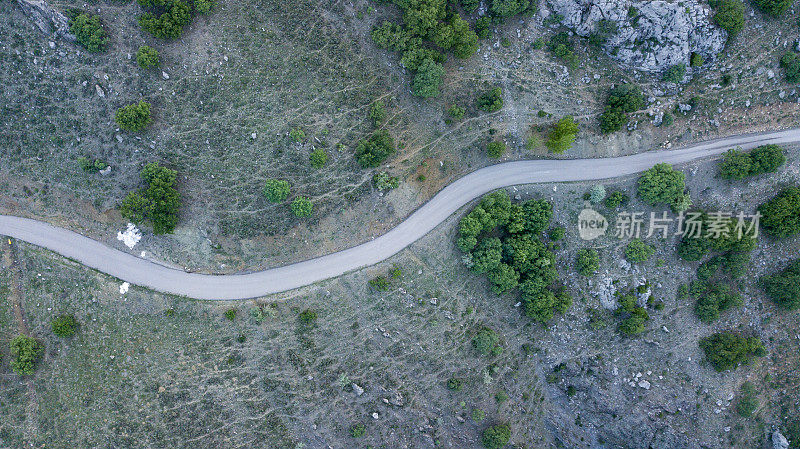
[748, 400]
[428, 79]
[738, 164]
[783, 287]
[774, 8]
[486, 342]
[638, 251]
[204, 6]
[456, 112]
[556, 233]
[318, 158]
[562, 135]
[662, 185]
[491, 101]
[89, 32]
[616, 199]
[147, 57]
[712, 298]
[455, 384]
[597, 193]
[377, 113]
[276, 190]
[478, 415]
[383, 181]
[735, 165]
[297, 135]
[134, 117]
[64, 326]
[91, 166]
[380, 283]
[230, 314]
[562, 47]
[587, 262]
[496, 437]
[25, 354]
[307, 317]
[726, 350]
[507, 8]
[302, 207]
[781, 214]
[357, 430]
[167, 20]
[696, 60]
[495, 149]
[790, 63]
[372, 151]
[621, 101]
[158, 202]
[729, 15]
[674, 74]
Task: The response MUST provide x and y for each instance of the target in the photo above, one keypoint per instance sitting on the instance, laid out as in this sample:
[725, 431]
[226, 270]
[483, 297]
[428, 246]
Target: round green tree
[276, 190]
[134, 117]
[638, 251]
[496, 149]
[587, 262]
[25, 354]
[302, 207]
[147, 57]
[496, 437]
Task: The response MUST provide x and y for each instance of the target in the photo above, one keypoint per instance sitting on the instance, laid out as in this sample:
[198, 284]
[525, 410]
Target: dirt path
[16, 298]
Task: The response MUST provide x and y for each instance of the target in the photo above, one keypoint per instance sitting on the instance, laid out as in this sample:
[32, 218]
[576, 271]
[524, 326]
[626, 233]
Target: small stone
[644, 384]
[770, 74]
[52, 44]
[358, 390]
[165, 75]
[100, 92]
[375, 415]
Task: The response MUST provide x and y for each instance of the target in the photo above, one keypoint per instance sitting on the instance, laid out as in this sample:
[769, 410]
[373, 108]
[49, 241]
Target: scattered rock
[100, 92]
[165, 75]
[779, 441]
[358, 390]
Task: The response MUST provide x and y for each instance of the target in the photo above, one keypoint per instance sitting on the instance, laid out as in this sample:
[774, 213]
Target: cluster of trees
[89, 32]
[372, 151]
[774, 8]
[633, 316]
[728, 15]
[662, 184]
[784, 287]
[158, 202]
[737, 164]
[621, 101]
[726, 350]
[562, 135]
[165, 19]
[147, 57]
[277, 190]
[711, 298]
[781, 214]
[735, 250]
[134, 117]
[504, 240]
[428, 30]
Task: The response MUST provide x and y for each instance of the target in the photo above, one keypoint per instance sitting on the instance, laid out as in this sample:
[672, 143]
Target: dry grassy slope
[313, 66]
[135, 377]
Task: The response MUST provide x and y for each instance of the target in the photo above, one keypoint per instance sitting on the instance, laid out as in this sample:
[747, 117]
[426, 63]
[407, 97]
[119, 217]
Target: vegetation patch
[726, 350]
[158, 202]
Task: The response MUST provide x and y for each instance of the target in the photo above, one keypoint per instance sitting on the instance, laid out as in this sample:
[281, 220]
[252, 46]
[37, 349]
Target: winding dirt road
[142, 272]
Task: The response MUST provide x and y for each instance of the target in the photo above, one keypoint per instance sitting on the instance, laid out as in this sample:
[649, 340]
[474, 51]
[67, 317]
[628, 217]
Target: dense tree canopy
[621, 101]
[774, 8]
[89, 32]
[726, 350]
[784, 287]
[25, 354]
[372, 151]
[134, 117]
[781, 215]
[158, 202]
[662, 184]
[737, 164]
[562, 135]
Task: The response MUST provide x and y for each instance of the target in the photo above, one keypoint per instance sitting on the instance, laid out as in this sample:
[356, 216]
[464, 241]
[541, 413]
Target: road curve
[142, 272]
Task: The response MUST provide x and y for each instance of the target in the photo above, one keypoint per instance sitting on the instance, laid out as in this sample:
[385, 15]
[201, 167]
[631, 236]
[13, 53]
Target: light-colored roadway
[142, 272]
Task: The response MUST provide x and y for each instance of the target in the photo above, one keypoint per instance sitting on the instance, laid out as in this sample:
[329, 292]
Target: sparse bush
[790, 63]
[562, 135]
[496, 437]
[307, 317]
[674, 74]
[748, 400]
[158, 202]
[230, 314]
[726, 350]
[64, 326]
[297, 135]
[495, 149]
[478, 415]
[455, 384]
[302, 207]
[587, 262]
[25, 354]
[556, 233]
[377, 113]
[383, 181]
[638, 251]
[784, 286]
[147, 57]
[456, 112]
[134, 117]
[781, 214]
[486, 342]
[380, 283]
[89, 32]
[696, 60]
[318, 158]
[491, 101]
[357, 430]
[276, 190]
[562, 48]
[372, 151]
[91, 165]
[616, 199]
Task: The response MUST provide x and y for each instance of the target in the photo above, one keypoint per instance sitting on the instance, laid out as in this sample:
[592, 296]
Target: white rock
[165, 75]
[100, 92]
[358, 390]
[644, 384]
[124, 287]
[779, 441]
[131, 236]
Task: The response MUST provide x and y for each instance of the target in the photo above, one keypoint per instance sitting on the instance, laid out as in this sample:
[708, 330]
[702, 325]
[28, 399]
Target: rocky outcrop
[779, 441]
[47, 19]
[650, 35]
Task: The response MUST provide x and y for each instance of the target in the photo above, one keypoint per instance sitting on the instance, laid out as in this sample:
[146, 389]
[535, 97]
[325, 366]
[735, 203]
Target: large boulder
[651, 35]
[779, 441]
